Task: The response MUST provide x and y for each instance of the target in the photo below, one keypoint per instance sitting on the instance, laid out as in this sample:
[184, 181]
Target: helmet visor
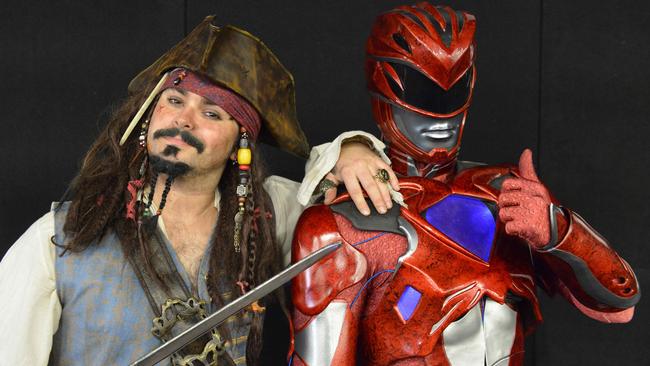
[423, 93]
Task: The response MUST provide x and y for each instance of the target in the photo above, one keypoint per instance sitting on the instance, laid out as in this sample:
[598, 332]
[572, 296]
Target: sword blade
[205, 325]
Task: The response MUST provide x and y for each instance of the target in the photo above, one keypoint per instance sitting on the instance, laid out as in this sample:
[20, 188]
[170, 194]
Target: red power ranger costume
[450, 279]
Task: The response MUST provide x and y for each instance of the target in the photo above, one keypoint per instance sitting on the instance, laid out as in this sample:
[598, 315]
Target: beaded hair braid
[243, 236]
[244, 158]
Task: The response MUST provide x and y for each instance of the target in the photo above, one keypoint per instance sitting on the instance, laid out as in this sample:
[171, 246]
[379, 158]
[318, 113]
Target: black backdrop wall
[566, 78]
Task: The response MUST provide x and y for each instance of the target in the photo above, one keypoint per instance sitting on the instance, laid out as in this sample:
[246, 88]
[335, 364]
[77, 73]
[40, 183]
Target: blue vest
[106, 318]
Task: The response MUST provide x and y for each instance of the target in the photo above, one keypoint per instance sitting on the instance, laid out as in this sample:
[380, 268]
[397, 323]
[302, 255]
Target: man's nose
[184, 119]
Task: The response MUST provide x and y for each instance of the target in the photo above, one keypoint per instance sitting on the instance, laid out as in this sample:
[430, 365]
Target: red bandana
[231, 102]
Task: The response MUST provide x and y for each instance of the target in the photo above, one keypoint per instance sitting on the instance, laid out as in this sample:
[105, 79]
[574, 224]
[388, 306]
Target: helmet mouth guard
[428, 133]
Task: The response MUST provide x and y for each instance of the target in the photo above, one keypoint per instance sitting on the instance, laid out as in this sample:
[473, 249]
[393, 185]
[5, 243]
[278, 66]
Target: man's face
[188, 128]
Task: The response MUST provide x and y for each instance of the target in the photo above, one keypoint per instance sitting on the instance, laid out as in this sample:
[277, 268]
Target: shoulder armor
[463, 165]
[373, 222]
[484, 178]
[317, 286]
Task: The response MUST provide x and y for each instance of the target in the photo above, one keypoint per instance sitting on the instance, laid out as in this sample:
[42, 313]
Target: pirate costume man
[98, 280]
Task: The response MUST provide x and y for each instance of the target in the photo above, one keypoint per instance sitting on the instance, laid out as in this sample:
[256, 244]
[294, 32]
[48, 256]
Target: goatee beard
[171, 150]
[172, 169]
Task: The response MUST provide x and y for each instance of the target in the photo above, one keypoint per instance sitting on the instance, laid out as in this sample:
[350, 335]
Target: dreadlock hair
[163, 200]
[260, 257]
[98, 197]
[97, 194]
[152, 183]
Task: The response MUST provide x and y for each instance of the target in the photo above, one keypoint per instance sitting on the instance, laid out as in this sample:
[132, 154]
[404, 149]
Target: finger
[511, 184]
[521, 198]
[394, 182]
[385, 193]
[508, 214]
[514, 228]
[383, 187]
[392, 178]
[354, 189]
[369, 184]
[331, 176]
[525, 187]
[511, 198]
[526, 167]
[330, 194]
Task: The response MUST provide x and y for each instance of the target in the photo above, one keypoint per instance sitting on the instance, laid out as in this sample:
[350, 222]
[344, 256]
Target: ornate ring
[382, 175]
[326, 185]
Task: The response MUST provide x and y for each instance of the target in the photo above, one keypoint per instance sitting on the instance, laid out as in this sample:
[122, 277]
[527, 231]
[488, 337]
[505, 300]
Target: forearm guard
[589, 268]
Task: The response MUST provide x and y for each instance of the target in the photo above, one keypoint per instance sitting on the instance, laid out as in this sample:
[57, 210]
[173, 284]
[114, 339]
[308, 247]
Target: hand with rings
[360, 169]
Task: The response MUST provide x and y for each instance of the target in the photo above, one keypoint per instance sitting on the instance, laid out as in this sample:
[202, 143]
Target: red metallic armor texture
[428, 54]
[580, 265]
[451, 279]
[584, 242]
[335, 273]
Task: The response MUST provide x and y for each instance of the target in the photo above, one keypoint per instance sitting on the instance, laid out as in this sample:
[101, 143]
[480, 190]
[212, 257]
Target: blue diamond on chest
[466, 220]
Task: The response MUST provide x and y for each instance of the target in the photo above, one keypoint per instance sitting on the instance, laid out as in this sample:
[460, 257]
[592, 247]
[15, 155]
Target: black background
[568, 79]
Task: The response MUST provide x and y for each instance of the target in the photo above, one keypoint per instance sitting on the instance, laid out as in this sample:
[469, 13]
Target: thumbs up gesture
[524, 204]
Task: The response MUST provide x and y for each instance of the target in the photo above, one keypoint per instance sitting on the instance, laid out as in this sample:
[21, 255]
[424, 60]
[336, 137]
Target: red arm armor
[325, 291]
[316, 287]
[588, 272]
[578, 262]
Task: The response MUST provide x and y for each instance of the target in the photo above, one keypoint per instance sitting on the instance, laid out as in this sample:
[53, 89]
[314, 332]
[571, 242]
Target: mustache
[187, 137]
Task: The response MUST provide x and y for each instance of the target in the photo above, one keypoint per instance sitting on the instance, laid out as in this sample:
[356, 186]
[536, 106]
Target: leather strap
[174, 305]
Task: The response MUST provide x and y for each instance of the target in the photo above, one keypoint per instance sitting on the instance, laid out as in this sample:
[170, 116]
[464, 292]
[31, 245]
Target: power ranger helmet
[420, 73]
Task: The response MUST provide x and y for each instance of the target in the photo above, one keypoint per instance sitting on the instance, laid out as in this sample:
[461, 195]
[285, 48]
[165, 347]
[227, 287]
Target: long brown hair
[98, 198]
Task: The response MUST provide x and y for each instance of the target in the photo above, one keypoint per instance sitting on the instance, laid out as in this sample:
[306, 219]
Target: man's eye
[212, 115]
[174, 100]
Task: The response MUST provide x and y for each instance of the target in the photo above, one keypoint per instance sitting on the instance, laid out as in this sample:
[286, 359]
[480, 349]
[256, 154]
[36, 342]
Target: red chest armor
[444, 275]
[449, 267]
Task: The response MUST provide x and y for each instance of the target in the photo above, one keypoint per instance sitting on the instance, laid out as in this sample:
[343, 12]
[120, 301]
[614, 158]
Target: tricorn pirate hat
[239, 61]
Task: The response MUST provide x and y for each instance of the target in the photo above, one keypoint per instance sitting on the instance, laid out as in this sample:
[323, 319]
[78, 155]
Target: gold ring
[382, 175]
